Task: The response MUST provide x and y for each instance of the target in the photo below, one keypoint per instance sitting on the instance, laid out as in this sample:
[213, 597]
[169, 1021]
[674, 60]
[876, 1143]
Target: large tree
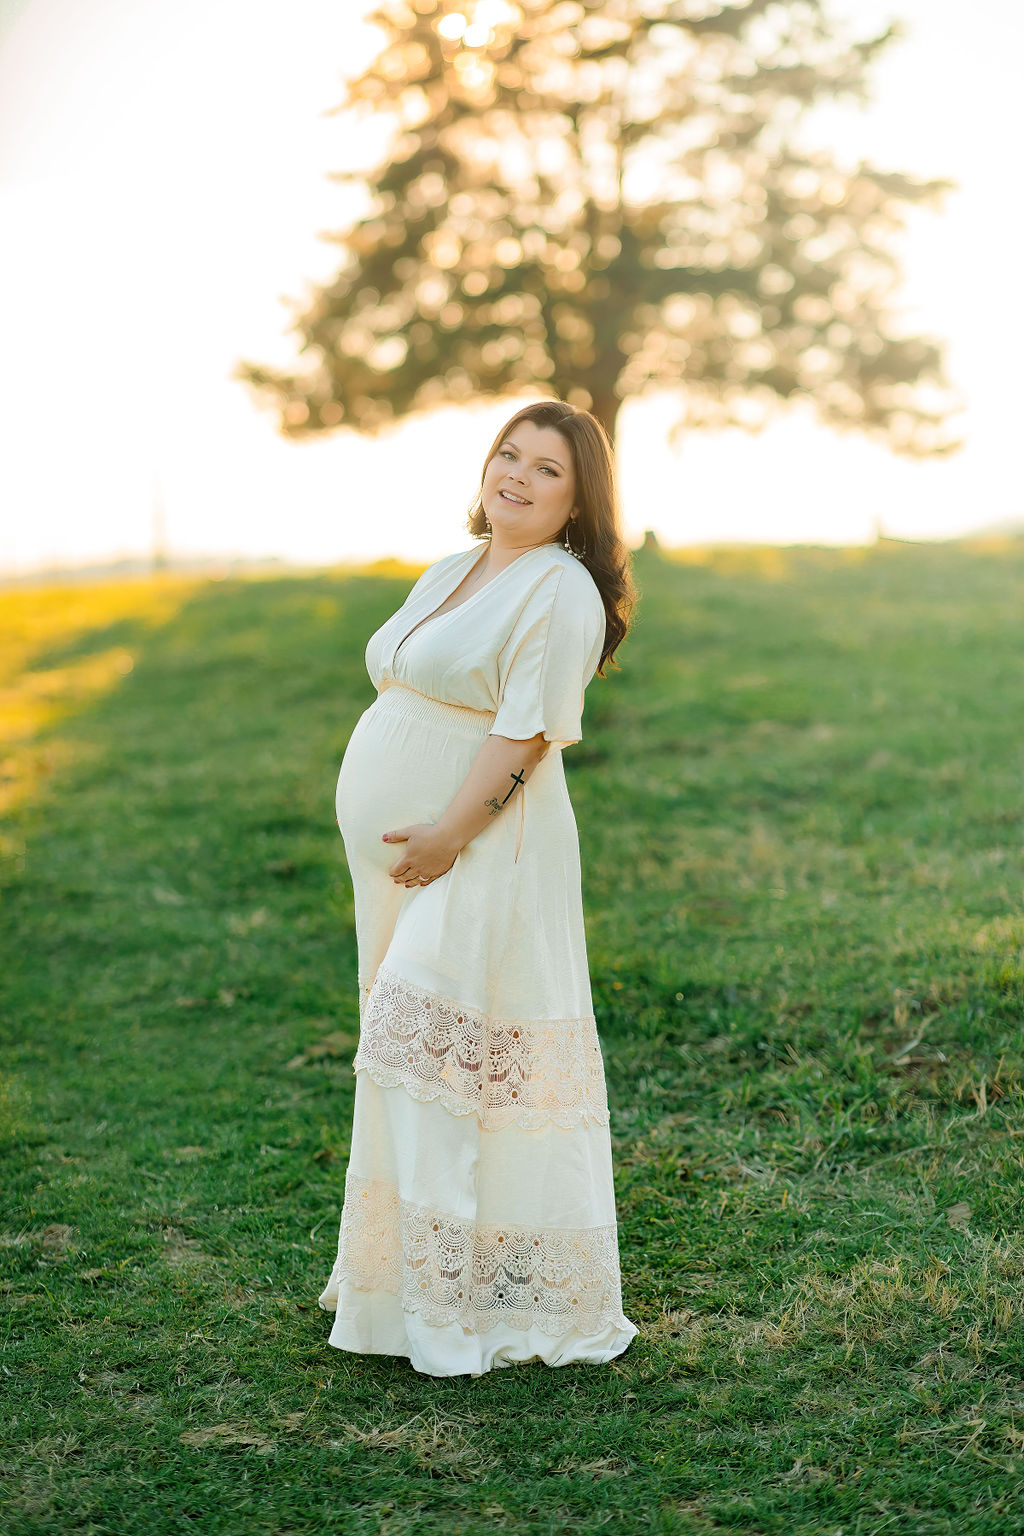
[596, 199]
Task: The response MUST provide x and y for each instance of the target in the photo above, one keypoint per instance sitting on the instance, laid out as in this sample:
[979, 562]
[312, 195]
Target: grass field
[800, 803]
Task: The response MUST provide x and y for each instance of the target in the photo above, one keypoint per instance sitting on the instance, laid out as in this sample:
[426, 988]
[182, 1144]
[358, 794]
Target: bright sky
[163, 184]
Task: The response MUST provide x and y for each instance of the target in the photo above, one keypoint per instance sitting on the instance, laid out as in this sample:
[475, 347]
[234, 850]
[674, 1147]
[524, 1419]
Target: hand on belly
[425, 856]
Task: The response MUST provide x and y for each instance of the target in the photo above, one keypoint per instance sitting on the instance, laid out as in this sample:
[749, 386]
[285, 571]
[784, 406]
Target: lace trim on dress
[525, 1072]
[451, 1270]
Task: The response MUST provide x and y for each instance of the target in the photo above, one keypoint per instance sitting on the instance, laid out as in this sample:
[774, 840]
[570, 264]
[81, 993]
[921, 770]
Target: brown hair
[595, 528]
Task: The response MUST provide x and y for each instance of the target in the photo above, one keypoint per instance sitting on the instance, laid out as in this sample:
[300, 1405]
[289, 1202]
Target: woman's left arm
[500, 770]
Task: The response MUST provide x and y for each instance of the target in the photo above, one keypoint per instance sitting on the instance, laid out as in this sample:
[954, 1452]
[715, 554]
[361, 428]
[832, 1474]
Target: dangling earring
[577, 552]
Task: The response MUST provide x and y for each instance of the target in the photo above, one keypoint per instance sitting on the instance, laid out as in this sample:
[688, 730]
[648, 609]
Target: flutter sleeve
[550, 657]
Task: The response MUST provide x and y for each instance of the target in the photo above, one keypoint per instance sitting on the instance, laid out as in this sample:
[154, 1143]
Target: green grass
[800, 805]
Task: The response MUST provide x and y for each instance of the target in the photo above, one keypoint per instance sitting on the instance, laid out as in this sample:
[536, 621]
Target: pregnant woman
[478, 1227]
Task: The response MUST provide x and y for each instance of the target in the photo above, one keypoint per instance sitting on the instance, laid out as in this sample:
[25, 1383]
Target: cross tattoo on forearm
[517, 778]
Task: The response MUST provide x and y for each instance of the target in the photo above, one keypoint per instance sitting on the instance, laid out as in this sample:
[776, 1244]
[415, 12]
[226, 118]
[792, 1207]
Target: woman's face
[533, 465]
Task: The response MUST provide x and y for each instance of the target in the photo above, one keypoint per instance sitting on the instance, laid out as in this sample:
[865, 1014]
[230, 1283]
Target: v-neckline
[434, 614]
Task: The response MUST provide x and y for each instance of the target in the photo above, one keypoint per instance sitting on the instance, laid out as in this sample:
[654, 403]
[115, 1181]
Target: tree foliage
[598, 199]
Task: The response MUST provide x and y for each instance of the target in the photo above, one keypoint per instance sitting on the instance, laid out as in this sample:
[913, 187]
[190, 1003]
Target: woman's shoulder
[436, 572]
[446, 562]
[575, 581]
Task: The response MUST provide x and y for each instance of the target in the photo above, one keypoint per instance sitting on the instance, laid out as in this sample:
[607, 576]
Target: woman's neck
[499, 556]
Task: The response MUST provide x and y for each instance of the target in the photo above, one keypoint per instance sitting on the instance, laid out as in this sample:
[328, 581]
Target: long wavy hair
[594, 533]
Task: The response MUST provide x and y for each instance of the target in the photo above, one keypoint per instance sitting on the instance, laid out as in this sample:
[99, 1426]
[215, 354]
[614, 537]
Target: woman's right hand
[428, 854]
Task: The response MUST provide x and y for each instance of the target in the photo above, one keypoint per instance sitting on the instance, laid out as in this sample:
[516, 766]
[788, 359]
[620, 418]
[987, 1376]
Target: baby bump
[400, 767]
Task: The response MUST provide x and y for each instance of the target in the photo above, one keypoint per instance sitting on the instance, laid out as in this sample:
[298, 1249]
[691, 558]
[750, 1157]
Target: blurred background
[174, 200]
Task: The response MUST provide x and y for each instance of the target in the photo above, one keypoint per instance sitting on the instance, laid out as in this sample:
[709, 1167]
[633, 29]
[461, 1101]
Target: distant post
[160, 557]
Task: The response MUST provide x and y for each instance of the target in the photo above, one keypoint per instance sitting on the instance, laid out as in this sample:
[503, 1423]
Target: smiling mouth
[517, 501]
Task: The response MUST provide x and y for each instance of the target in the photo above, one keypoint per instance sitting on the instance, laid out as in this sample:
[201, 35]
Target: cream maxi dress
[478, 1226]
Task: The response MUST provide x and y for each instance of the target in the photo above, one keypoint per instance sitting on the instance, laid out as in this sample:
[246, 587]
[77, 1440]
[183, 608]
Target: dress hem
[373, 1322]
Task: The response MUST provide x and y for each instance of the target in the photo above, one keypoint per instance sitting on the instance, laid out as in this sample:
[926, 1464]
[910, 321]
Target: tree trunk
[605, 405]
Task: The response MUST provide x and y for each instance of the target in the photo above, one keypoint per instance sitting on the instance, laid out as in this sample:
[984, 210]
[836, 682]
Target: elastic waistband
[397, 699]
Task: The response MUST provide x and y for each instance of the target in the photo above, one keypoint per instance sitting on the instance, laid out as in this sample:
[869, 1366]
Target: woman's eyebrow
[544, 460]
